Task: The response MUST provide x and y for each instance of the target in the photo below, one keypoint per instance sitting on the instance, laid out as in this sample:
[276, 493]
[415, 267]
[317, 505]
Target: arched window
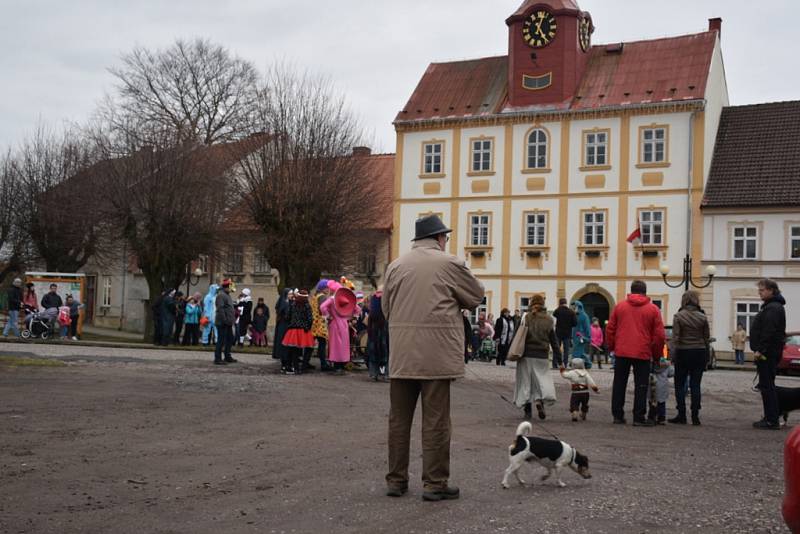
[537, 149]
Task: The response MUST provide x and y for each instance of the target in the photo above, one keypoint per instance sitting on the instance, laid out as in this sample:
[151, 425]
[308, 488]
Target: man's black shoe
[678, 420]
[231, 360]
[396, 492]
[766, 425]
[620, 421]
[219, 362]
[448, 493]
[643, 422]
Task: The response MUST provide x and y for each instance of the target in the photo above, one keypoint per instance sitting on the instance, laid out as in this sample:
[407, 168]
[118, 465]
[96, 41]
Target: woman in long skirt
[534, 384]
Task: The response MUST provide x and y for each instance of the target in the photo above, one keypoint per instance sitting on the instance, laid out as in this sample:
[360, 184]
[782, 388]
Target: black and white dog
[552, 454]
[788, 401]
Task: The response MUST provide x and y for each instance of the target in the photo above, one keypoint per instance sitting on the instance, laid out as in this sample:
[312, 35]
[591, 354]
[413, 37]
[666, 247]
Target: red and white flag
[635, 237]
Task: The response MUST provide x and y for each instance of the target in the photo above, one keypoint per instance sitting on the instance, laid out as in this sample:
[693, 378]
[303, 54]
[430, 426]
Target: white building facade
[541, 191]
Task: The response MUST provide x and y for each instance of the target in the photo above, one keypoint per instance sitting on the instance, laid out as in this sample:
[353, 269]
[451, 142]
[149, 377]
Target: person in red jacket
[635, 334]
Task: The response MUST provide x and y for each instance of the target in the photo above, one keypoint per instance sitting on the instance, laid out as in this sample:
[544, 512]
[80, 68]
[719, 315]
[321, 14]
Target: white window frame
[655, 144]
[524, 305]
[202, 263]
[594, 157]
[479, 229]
[594, 224]
[744, 239]
[106, 297]
[794, 235]
[430, 165]
[752, 309]
[538, 226]
[537, 149]
[481, 155]
[648, 226]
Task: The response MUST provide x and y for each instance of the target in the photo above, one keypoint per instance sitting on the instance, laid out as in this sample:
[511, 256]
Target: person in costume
[209, 313]
[319, 328]
[581, 334]
[245, 306]
[298, 338]
[378, 339]
[339, 310]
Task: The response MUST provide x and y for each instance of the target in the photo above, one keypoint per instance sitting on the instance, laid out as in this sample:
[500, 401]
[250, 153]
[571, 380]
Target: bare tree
[56, 209]
[167, 200]
[14, 251]
[304, 190]
[196, 89]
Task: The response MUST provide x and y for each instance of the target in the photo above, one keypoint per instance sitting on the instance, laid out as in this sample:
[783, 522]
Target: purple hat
[322, 285]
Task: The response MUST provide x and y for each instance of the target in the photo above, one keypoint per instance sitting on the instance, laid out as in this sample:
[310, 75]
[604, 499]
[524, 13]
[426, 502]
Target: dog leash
[510, 403]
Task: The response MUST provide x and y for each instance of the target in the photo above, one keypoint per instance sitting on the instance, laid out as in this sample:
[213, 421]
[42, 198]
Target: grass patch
[30, 362]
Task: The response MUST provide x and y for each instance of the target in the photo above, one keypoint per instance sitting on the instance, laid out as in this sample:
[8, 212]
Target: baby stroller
[38, 324]
[487, 352]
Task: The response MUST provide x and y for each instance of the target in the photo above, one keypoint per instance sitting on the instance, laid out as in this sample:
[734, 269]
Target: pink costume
[597, 336]
[338, 333]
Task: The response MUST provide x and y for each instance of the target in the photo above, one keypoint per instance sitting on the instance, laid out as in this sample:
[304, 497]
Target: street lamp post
[687, 275]
[198, 272]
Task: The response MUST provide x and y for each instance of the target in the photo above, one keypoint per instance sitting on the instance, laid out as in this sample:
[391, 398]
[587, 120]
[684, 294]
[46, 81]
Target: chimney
[715, 24]
[362, 151]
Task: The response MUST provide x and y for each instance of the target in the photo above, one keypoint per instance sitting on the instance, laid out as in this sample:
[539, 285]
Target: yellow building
[545, 160]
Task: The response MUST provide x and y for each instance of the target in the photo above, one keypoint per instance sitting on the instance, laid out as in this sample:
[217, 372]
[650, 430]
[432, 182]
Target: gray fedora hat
[429, 226]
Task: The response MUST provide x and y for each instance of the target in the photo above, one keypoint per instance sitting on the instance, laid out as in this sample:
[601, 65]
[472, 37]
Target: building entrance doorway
[596, 305]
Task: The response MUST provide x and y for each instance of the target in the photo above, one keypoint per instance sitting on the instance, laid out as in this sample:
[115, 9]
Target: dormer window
[535, 83]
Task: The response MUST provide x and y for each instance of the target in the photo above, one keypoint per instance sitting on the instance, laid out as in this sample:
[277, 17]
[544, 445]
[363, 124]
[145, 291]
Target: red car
[790, 361]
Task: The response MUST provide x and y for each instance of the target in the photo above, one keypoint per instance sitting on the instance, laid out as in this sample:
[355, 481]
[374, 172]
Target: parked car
[790, 360]
[712, 355]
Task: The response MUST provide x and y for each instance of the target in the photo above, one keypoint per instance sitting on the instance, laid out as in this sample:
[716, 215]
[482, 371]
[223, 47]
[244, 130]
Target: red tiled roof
[659, 70]
[756, 158]
[459, 89]
[380, 168]
[671, 69]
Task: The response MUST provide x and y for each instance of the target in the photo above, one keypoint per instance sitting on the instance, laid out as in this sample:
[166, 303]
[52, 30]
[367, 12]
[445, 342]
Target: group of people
[426, 293]
[192, 320]
[577, 335]
[62, 315]
[331, 322]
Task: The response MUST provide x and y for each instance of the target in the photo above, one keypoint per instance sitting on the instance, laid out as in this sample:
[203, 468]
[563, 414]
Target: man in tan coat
[425, 290]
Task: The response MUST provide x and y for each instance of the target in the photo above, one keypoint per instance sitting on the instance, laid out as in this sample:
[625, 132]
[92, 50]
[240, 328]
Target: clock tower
[548, 49]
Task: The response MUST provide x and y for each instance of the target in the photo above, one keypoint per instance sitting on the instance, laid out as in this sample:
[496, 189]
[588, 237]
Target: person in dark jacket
[158, 322]
[767, 337]
[180, 315]
[298, 338]
[52, 299]
[503, 334]
[566, 320]
[377, 339]
[279, 350]
[690, 336]
[224, 320]
[14, 305]
[245, 307]
[168, 310]
[467, 335]
[74, 316]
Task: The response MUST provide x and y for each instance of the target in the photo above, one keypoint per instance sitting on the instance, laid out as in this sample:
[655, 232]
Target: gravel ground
[132, 440]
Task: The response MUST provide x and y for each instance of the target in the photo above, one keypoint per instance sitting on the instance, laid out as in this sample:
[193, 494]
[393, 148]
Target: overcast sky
[56, 52]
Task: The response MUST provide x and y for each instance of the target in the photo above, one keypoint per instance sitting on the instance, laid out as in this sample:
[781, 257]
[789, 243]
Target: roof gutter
[698, 104]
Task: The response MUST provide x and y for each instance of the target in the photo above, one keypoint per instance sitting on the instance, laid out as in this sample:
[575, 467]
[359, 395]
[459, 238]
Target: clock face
[539, 28]
[585, 33]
